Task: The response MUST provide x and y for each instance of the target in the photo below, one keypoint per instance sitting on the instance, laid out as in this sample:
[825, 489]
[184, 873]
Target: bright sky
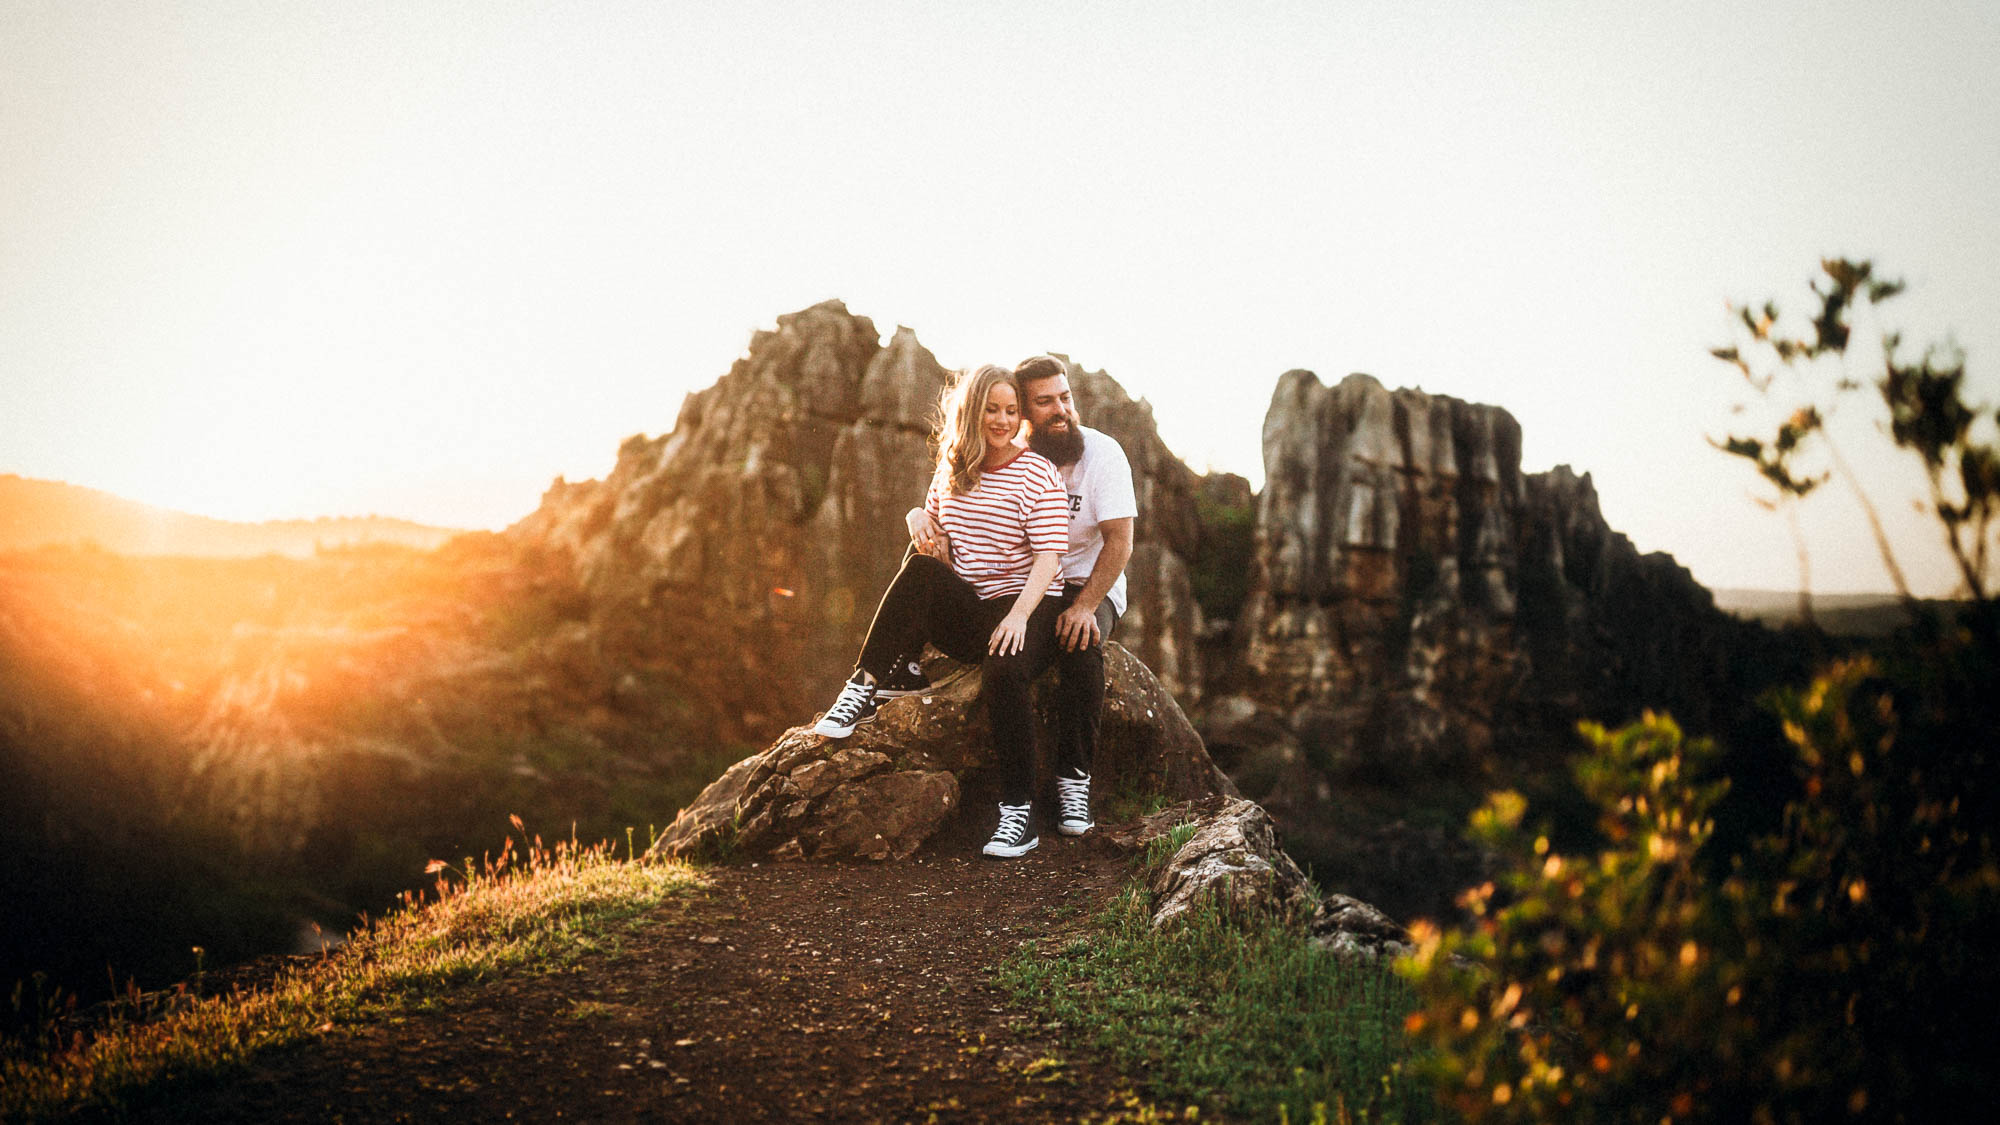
[284, 259]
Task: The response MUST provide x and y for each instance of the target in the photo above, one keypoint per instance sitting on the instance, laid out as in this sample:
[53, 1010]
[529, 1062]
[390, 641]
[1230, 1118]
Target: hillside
[36, 513]
[1854, 616]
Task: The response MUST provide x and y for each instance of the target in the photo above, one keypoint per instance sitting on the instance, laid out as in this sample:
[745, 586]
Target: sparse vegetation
[530, 909]
[1256, 1022]
[1161, 849]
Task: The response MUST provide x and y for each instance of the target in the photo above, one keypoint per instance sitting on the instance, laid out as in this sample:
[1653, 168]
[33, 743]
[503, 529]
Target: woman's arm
[1012, 632]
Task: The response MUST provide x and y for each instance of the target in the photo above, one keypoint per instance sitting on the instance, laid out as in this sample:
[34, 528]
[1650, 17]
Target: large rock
[741, 549]
[892, 785]
[1416, 595]
[1229, 864]
[1423, 618]
[1380, 617]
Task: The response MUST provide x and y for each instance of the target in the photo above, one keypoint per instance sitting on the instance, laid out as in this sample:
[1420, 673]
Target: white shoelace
[1073, 795]
[852, 699]
[1013, 823]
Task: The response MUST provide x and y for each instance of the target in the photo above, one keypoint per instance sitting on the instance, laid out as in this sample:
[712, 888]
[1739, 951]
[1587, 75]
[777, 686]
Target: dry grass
[534, 910]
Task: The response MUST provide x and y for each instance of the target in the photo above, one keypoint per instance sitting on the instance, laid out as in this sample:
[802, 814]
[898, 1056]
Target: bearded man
[1098, 481]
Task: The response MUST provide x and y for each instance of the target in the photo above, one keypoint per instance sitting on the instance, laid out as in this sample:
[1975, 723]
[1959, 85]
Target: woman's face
[1002, 417]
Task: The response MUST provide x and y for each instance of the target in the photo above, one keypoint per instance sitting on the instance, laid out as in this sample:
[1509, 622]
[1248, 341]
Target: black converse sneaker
[855, 706]
[1013, 837]
[1073, 805]
[905, 678]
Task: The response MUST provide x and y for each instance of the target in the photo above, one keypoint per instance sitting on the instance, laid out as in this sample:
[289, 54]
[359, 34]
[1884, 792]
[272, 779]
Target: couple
[1017, 561]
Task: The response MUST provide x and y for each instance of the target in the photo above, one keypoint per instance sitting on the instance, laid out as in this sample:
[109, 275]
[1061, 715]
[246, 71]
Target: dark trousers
[1080, 692]
[927, 603]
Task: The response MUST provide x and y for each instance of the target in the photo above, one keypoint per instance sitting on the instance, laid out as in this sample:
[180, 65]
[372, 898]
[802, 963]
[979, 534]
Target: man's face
[1049, 405]
[1052, 424]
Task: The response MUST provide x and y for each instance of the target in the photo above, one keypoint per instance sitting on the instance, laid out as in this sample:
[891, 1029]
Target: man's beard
[1064, 447]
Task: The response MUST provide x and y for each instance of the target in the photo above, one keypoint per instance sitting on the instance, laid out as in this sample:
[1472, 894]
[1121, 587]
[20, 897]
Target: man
[1098, 480]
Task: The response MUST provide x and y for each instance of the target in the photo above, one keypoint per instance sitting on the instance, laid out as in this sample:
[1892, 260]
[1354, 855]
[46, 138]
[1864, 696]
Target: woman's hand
[928, 537]
[1009, 635]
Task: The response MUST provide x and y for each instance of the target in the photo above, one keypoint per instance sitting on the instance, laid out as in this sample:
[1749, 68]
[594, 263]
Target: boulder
[1349, 927]
[1230, 862]
[895, 783]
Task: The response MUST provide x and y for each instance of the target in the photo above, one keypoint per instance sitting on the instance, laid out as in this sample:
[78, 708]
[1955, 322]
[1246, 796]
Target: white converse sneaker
[855, 706]
[1073, 805]
[1013, 837]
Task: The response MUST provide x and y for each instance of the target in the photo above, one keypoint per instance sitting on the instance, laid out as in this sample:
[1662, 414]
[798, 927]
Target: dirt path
[790, 992]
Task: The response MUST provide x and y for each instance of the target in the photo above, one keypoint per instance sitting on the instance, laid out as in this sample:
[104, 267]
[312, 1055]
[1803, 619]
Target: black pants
[927, 603]
[1080, 692]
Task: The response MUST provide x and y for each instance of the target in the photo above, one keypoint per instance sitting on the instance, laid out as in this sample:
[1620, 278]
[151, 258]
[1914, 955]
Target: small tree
[1928, 417]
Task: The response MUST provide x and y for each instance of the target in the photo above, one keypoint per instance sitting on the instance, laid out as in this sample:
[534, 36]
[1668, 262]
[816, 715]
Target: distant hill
[1842, 615]
[36, 513]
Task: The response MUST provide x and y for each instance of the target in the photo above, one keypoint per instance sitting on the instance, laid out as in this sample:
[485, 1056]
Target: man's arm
[1077, 627]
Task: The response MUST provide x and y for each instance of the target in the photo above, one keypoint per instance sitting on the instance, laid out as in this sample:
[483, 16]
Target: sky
[263, 260]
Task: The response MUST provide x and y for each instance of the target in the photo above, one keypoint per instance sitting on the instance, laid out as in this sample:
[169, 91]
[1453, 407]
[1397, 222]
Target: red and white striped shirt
[1018, 510]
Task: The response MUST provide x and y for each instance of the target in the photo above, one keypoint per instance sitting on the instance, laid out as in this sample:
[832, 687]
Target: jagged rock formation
[746, 548]
[895, 783]
[1380, 617]
[1421, 608]
[1414, 591]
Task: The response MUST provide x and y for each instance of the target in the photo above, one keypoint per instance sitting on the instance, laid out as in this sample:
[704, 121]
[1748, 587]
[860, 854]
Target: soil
[786, 992]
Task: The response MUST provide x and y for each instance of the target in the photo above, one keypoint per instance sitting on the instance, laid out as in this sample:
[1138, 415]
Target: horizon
[244, 238]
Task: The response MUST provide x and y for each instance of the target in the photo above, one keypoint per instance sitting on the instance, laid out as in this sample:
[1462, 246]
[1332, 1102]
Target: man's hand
[928, 537]
[1009, 635]
[1077, 629]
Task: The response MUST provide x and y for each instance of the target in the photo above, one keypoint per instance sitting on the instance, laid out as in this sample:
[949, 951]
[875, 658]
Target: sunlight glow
[421, 259]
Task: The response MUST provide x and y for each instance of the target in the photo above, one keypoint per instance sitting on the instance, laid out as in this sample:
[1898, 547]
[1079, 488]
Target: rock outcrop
[748, 546]
[1228, 861]
[1415, 593]
[1423, 615]
[895, 783]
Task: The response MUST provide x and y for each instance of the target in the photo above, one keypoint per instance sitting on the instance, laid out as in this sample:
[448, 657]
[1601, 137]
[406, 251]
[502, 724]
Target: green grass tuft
[1161, 849]
[535, 913]
[1255, 1023]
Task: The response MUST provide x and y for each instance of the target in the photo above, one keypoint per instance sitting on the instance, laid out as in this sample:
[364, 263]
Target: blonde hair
[960, 446]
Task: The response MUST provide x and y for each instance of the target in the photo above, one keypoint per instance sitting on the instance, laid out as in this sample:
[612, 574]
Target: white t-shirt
[1099, 486]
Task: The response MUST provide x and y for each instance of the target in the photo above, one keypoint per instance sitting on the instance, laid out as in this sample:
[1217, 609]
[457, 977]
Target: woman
[987, 548]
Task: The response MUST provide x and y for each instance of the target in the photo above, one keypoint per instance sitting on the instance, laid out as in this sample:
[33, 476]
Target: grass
[532, 911]
[1160, 850]
[1256, 1023]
